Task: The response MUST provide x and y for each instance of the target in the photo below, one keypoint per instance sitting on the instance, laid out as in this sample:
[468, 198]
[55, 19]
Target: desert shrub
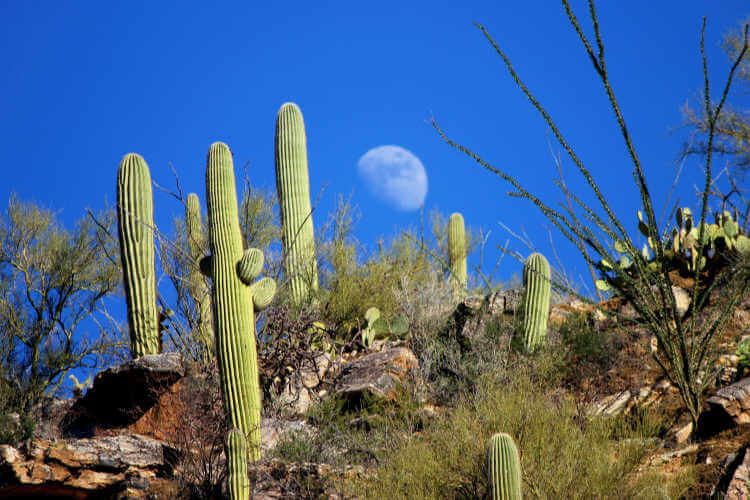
[15, 423]
[563, 453]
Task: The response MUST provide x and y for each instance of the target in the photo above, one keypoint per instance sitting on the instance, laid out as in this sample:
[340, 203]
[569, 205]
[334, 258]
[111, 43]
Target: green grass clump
[564, 454]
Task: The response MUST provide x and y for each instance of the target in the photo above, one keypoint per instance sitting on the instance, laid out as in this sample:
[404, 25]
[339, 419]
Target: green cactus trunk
[135, 223]
[293, 187]
[457, 255]
[237, 481]
[234, 316]
[197, 287]
[504, 468]
[536, 280]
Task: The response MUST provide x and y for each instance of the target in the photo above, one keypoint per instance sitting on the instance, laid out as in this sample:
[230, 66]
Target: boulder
[125, 466]
[471, 315]
[735, 483]
[122, 394]
[734, 401]
[300, 388]
[378, 374]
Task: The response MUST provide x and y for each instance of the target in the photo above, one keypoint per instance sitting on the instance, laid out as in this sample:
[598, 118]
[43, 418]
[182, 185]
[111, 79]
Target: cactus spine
[135, 223]
[536, 280]
[236, 450]
[504, 468]
[293, 188]
[235, 300]
[457, 254]
[196, 284]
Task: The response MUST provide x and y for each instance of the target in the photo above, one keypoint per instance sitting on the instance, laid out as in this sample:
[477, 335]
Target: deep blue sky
[86, 82]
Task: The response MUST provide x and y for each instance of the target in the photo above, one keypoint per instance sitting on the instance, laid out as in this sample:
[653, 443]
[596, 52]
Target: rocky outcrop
[302, 386]
[734, 401]
[116, 467]
[471, 315]
[121, 395]
[378, 374]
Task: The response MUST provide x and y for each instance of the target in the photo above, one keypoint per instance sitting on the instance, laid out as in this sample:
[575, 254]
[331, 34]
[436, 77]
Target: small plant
[743, 352]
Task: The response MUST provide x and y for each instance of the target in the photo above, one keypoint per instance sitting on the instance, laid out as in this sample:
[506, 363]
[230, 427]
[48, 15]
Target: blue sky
[86, 82]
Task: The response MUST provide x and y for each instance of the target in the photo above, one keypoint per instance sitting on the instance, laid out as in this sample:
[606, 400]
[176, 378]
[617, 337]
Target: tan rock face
[78, 468]
[379, 374]
[734, 400]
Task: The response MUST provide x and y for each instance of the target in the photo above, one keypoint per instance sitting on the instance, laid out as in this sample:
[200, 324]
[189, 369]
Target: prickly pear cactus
[135, 223]
[457, 254]
[293, 187]
[196, 284]
[536, 281]
[504, 468]
[235, 299]
[237, 481]
[368, 333]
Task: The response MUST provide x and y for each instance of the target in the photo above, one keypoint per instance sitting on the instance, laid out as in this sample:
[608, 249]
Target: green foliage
[293, 186]
[52, 282]
[16, 424]
[234, 301]
[743, 352]
[457, 254]
[537, 286]
[135, 228]
[503, 468]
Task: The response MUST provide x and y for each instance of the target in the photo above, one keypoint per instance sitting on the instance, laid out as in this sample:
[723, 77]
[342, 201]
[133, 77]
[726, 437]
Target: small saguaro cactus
[238, 485]
[235, 297]
[196, 284]
[457, 254]
[504, 468]
[293, 188]
[135, 229]
[537, 285]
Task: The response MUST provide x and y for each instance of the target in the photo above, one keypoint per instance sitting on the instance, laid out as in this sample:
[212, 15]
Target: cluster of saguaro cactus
[293, 187]
[235, 297]
[536, 299]
[135, 228]
[457, 254]
[504, 468]
[238, 485]
[196, 284]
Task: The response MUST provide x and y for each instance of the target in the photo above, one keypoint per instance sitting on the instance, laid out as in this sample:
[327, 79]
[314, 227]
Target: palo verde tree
[52, 282]
[686, 339]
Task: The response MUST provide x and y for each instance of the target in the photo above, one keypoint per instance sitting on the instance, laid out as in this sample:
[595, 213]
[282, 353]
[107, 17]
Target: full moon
[394, 175]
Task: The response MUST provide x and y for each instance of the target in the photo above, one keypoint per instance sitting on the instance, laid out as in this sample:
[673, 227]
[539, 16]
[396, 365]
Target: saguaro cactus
[504, 468]
[135, 223]
[196, 284]
[235, 297]
[293, 187]
[536, 281]
[236, 450]
[457, 254]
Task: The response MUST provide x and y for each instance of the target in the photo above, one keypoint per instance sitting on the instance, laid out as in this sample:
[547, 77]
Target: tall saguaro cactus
[504, 468]
[235, 297]
[293, 187]
[196, 284]
[135, 223]
[536, 281]
[236, 450]
[457, 254]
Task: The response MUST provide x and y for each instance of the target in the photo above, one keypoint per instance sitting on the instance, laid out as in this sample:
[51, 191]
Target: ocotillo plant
[536, 282]
[236, 452]
[457, 254]
[293, 187]
[235, 297]
[135, 228]
[196, 284]
[504, 468]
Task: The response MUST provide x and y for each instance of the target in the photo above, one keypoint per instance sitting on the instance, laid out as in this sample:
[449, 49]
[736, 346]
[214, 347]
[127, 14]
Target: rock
[734, 401]
[378, 374]
[610, 405]
[107, 467]
[299, 389]
[122, 394]
[471, 315]
[272, 430]
[738, 487]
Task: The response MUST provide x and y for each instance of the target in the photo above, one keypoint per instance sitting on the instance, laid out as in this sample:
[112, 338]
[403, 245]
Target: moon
[394, 175]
